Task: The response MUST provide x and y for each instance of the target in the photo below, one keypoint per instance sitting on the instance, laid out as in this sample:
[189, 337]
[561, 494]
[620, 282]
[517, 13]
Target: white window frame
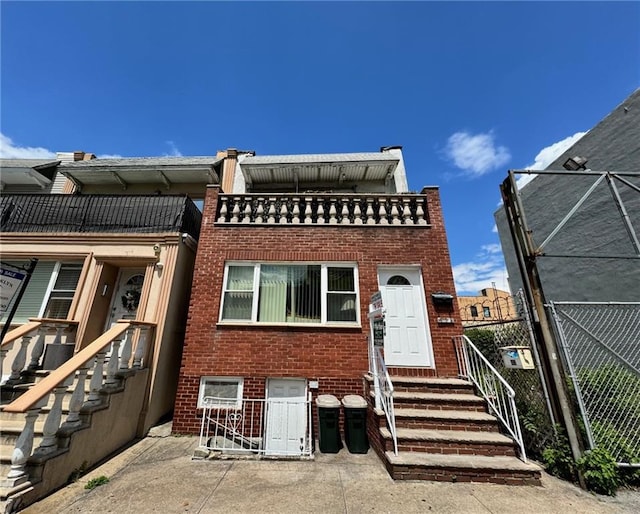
[52, 283]
[324, 266]
[203, 383]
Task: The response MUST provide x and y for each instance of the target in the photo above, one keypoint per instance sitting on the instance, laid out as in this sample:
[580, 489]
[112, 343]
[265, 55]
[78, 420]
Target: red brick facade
[336, 358]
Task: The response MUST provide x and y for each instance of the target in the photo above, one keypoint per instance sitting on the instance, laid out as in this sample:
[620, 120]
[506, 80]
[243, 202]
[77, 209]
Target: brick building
[283, 280]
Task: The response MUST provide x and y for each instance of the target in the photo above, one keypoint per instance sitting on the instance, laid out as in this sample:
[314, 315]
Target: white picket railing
[384, 395]
[273, 427]
[492, 386]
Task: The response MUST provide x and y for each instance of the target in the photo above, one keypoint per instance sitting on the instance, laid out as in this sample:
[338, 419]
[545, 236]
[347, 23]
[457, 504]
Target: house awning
[163, 171]
[318, 168]
[26, 172]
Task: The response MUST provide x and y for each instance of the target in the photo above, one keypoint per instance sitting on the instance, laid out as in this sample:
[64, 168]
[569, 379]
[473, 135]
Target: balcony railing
[323, 209]
[99, 213]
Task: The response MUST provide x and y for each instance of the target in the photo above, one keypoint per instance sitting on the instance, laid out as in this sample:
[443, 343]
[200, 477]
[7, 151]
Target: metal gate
[600, 344]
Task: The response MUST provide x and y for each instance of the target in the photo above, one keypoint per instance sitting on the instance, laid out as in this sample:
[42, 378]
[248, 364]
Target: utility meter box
[517, 357]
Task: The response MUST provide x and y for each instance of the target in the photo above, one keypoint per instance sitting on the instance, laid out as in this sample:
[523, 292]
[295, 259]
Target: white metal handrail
[229, 425]
[384, 395]
[492, 386]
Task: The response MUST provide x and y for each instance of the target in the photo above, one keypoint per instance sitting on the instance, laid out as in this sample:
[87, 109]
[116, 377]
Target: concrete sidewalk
[158, 475]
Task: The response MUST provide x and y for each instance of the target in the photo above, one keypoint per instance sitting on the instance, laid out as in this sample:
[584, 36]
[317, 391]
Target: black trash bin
[355, 423]
[329, 423]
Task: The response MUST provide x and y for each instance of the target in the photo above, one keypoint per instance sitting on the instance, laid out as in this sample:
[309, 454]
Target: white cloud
[173, 150]
[476, 154]
[487, 268]
[547, 155]
[10, 150]
[109, 156]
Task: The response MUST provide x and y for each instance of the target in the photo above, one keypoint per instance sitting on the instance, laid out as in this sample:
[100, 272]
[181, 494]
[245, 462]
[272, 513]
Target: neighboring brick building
[283, 281]
[489, 307]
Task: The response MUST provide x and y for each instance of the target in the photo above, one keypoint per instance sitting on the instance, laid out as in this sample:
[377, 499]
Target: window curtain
[273, 293]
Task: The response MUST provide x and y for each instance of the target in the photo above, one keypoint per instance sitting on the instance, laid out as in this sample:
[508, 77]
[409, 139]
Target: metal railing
[271, 427]
[384, 395]
[492, 386]
[99, 213]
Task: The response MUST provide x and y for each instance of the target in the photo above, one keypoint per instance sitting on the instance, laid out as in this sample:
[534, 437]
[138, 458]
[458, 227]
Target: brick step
[438, 419]
[432, 385]
[461, 468]
[457, 442]
[438, 401]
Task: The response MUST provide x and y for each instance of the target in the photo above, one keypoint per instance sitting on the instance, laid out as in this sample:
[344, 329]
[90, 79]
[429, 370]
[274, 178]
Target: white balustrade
[95, 385]
[24, 445]
[77, 398]
[20, 359]
[52, 424]
[38, 348]
[141, 347]
[223, 209]
[320, 209]
[125, 354]
[112, 365]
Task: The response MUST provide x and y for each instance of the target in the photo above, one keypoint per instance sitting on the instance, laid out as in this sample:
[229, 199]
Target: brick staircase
[445, 433]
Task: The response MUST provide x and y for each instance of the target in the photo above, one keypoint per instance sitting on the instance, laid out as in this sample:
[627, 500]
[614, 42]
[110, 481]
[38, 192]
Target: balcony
[99, 214]
[323, 209]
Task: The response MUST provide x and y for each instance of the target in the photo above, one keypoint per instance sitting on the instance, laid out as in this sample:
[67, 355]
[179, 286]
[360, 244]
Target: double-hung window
[290, 293]
[50, 291]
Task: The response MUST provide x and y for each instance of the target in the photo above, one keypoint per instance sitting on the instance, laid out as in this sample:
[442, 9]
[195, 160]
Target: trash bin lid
[354, 401]
[327, 400]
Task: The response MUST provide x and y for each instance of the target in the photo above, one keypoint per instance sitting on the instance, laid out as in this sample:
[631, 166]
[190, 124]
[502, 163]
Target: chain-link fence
[531, 396]
[600, 344]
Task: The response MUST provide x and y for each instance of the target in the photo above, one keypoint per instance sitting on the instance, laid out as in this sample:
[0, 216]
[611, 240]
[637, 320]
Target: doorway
[126, 298]
[408, 340]
[286, 424]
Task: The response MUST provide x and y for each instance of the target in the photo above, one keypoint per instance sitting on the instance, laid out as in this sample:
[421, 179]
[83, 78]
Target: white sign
[10, 282]
[376, 301]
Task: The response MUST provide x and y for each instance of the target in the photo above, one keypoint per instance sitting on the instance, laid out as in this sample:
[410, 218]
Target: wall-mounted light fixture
[575, 163]
[159, 265]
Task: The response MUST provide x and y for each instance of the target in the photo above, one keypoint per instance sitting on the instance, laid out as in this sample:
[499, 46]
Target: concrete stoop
[445, 434]
[104, 428]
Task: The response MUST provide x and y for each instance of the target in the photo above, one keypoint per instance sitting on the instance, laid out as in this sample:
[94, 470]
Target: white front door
[126, 298]
[286, 432]
[407, 340]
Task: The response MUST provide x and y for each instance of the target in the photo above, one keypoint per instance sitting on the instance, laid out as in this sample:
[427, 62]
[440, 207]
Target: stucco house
[90, 359]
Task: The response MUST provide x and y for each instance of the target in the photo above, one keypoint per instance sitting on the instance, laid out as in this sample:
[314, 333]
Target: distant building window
[474, 311]
[220, 392]
[486, 312]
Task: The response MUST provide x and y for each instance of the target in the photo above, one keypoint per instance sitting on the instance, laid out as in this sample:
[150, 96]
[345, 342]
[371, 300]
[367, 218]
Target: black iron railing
[99, 213]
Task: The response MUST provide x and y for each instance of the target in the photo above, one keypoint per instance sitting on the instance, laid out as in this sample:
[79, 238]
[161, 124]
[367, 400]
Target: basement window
[220, 392]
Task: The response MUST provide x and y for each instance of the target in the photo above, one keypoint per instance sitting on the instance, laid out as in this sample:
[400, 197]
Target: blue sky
[469, 89]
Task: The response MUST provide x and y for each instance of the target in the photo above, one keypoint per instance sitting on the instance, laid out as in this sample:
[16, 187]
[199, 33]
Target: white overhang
[320, 168]
[127, 172]
[25, 172]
